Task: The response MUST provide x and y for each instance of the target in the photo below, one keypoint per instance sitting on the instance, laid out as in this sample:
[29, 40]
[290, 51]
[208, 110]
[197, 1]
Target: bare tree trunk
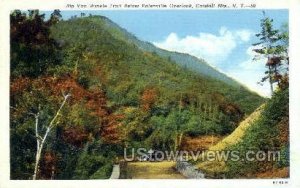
[39, 153]
[41, 140]
[175, 142]
[52, 172]
[270, 80]
[37, 145]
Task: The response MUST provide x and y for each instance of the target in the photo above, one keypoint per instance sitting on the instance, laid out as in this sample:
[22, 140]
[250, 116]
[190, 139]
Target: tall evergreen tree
[272, 45]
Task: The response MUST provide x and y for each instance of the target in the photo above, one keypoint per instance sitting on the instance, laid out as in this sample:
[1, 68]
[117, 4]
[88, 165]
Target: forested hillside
[98, 28]
[80, 94]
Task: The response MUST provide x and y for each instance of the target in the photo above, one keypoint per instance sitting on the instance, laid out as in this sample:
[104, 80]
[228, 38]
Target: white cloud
[244, 35]
[212, 48]
[217, 48]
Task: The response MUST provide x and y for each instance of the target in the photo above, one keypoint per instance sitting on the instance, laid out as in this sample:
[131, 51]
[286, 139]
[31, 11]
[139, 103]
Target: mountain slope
[185, 60]
[153, 94]
[98, 25]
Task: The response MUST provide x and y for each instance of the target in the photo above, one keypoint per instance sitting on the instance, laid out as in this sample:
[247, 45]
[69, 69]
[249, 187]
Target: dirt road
[153, 170]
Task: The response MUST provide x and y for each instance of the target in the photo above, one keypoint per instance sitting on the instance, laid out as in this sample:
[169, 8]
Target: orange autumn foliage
[148, 98]
[111, 131]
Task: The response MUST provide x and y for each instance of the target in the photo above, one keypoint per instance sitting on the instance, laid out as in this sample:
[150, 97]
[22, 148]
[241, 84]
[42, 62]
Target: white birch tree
[42, 137]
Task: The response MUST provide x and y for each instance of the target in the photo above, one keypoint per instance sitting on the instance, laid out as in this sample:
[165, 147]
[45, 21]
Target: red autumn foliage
[95, 102]
[75, 135]
[227, 107]
[48, 165]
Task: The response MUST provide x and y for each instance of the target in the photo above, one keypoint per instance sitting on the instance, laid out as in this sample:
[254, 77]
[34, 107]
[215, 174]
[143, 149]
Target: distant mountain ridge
[186, 60]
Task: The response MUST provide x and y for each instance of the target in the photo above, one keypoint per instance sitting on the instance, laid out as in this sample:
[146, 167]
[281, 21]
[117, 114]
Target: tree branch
[51, 124]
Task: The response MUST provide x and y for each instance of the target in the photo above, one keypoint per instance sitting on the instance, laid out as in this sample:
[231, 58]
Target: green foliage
[22, 161]
[263, 135]
[91, 165]
[284, 157]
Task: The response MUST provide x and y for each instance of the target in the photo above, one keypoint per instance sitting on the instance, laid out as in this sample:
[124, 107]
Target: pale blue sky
[222, 37]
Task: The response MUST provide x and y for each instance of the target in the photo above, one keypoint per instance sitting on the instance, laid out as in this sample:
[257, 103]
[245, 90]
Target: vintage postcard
[149, 93]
